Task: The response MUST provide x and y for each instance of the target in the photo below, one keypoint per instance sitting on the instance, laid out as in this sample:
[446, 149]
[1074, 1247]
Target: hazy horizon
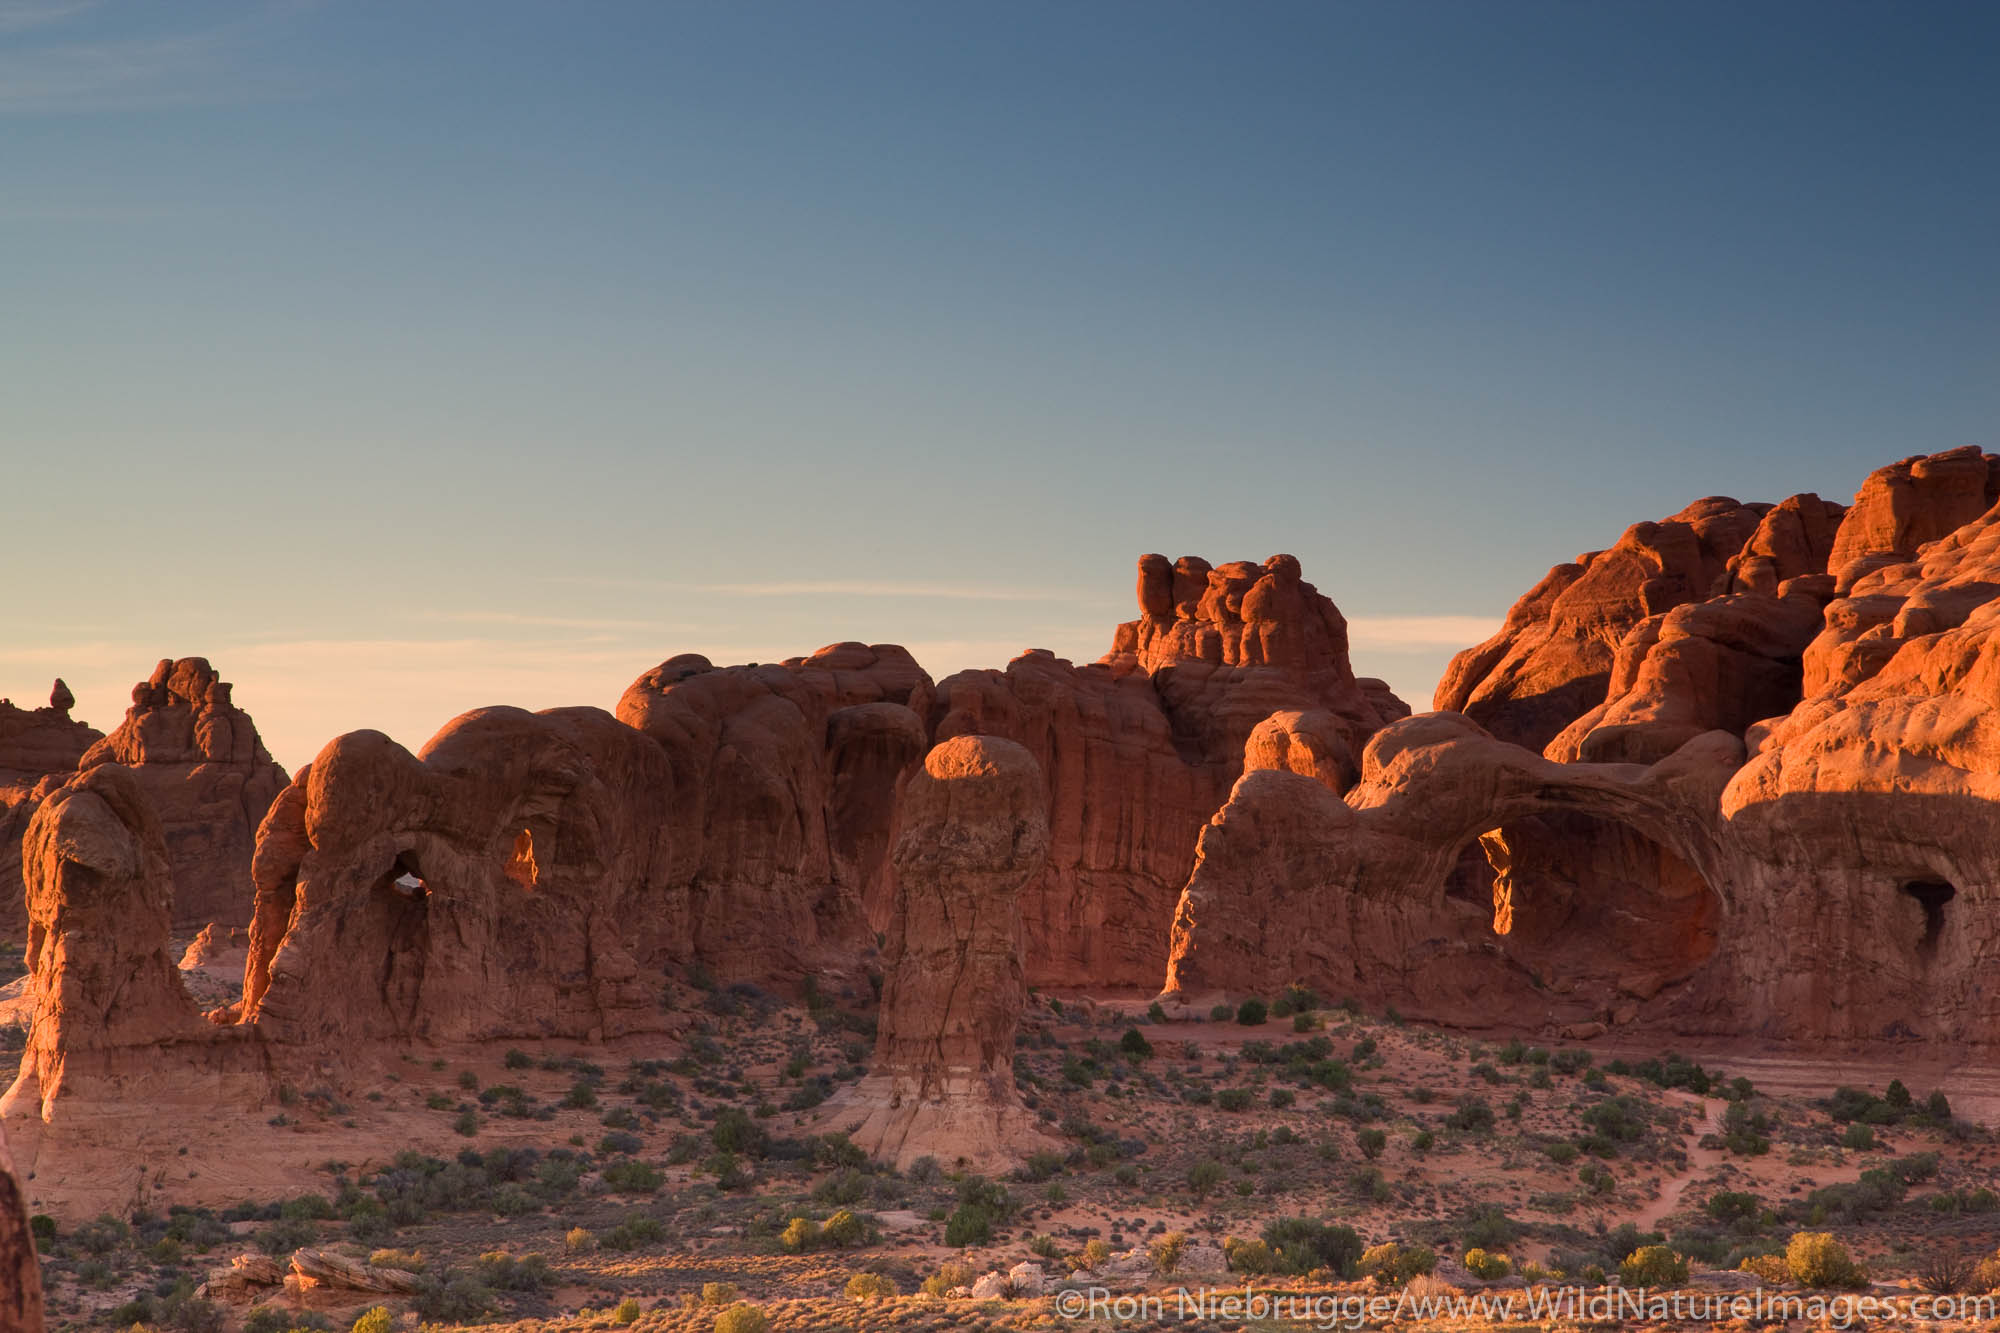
[404, 359]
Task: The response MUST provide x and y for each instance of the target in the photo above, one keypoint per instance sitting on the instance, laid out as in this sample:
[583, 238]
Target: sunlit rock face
[1766, 800]
[39, 749]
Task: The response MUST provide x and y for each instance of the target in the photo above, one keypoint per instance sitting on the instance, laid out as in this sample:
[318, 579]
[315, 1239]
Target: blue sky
[406, 357]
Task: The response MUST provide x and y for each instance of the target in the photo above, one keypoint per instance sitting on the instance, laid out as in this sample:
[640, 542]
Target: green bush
[1251, 1013]
[1204, 1176]
[1253, 1257]
[1371, 1142]
[1487, 1266]
[970, 1224]
[1302, 1245]
[1233, 1099]
[742, 1318]
[1653, 1266]
[843, 1229]
[800, 1235]
[449, 1298]
[949, 1276]
[632, 1177]
[1392, 1264]
[1816, 1259]
[870, 1287]
[377, 1320]
[626, 1312]
[1134, 1043]
[1858, 1136]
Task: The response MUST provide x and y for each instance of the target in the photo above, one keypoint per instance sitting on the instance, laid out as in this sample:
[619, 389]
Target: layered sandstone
[205, 771]
[974, 831]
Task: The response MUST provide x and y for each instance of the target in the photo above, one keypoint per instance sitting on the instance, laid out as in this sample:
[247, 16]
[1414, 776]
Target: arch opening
[1601, 917]
[522, 867]
[1930, 895]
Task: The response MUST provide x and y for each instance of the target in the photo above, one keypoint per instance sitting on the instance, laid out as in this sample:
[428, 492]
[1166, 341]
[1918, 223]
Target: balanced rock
[973, 832]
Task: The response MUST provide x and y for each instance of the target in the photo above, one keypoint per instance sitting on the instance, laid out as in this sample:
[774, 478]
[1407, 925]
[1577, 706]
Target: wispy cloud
[555, 622]
[1414, 632]
[19, 15]
[57, 71]
[885, 588]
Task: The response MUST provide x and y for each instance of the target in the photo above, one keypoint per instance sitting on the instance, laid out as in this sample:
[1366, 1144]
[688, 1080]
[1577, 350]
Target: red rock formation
[20, 1269]
[207, 774]
[1140, 747]
[1835, 886]
[39, 748]
[781, 796]
[973, 833]
[389, 907]
[108, 998]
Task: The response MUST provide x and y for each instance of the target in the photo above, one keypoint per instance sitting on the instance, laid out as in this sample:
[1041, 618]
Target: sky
[403, 358]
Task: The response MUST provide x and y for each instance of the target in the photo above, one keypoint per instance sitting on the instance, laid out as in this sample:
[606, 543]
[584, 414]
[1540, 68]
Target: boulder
[990, 1287]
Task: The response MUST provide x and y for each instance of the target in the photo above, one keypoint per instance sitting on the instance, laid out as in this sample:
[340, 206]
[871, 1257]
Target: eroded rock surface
[207, 774]
[1140, 747]
[1768, 808]
[974, 832]
[20, 1269]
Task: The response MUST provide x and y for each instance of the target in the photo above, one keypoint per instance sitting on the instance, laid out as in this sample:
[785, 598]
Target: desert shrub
[376, 1320]
[1620, 1119]
[801, 1234]
[1487, 1266]
[1134, 1043]
[742, 1318]
[1732, 1205]
[843, 1229]
[1252, 1013]
[1816, 1259]
[870, 1287]
[409, 1261]
[1767, 1267]
[1249, 1256]
[720, 1295]
[1472, 1116]
[1487, 1227]
[1282, 1098]
[450, 1298]
[727, 1169]
[101, 1236]
[1204, 1176]
[1858, 1136]
[1371, 1142]
[948, 1276]
[579, 1240]
[1222, 1013]
[1944, 1270]
[735, 1132]
[1596, 1179]
[1392, 1264]
[1653, 1266]
[632, 1233]
[505, 1272]
[631, 1177]
[626, 1311]
[1166, 1252]
[281, 1238]
[1233, 1099]
[1569, 1061]
[1561, 1153]
[969, 1224]
[1302, 1245]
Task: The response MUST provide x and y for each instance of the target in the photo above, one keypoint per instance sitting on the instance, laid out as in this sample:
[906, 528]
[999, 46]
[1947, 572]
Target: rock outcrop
[513, 879]
[1765, 809]
[1140, 747]
[109, 1003]
[974, 831]
[780, 799]
[39, 749]
[206, 772]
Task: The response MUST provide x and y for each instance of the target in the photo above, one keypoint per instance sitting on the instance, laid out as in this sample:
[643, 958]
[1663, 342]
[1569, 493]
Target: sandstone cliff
[39, 749]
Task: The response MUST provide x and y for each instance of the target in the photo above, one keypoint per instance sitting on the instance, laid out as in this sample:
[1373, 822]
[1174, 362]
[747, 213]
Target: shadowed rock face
[781, 797]
[1815, 749]
[974, 832]
[39, 748]
[108, 997]
[20, 1270]
[1140, 747]
[207, 775]
[513, 879]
